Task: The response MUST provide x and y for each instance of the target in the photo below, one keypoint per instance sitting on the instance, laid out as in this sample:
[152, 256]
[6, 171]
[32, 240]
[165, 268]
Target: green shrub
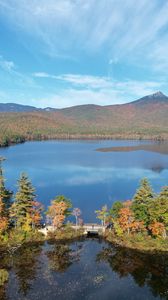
[3, 276]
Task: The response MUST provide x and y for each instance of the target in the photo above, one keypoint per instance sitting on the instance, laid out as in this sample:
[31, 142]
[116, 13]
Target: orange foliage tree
[158, 229]
[127, 221]
[35, 213]
[56, 212]
[3, 219]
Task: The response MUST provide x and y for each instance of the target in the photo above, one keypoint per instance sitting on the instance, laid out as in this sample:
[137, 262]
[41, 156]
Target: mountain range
[156, 98]
[145, 118]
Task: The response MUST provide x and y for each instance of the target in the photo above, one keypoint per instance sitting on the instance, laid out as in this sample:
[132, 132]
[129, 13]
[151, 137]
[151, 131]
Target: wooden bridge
[87, 228]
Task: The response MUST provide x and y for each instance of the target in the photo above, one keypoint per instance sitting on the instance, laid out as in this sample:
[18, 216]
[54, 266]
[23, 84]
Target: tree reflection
[3, 293]
[4, 265]
[146, 269]
[62, 256]
[25, 264]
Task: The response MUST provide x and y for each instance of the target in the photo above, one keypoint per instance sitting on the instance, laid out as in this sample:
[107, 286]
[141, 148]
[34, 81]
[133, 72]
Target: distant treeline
[20, 127]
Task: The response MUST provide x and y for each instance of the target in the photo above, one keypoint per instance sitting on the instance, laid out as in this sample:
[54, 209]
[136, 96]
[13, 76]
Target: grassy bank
[18, 238]
[140, 242]
[65, 233]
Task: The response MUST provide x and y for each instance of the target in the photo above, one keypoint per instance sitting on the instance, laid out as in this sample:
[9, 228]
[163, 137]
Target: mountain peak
[155, 98]
[158, 94]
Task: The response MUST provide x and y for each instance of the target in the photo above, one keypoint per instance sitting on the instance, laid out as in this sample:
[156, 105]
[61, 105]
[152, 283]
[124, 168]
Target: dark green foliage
[114, 211]
[158, 208]
[144, 192]
[146, 269]
[23, 200]
[142, 200]
[5, 195]
[60, 258]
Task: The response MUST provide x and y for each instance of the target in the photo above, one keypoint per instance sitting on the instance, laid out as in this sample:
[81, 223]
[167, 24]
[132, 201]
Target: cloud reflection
[89, 176]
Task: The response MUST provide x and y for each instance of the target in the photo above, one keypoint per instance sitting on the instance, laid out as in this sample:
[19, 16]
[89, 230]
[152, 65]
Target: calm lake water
[88, 177]
[89, 269]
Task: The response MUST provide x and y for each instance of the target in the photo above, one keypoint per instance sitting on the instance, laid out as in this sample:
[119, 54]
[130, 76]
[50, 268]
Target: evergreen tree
[142, 200]
[24, 202]
[158, 209]
[115, 209]
[5, 196]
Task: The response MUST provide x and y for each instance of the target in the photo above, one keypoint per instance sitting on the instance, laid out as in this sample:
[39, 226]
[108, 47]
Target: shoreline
[153, 246]
[126, 242]
[89, 138]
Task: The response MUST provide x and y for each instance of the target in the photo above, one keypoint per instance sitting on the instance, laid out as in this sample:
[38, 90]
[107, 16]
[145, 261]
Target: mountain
[156, 98]
[132, 112]
[13, 107]
[146, 118]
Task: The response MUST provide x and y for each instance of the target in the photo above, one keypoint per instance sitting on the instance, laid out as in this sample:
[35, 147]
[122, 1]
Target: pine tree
[115, 209]
[5, 196]
[24, 202]
[142, 200]
[159, 208]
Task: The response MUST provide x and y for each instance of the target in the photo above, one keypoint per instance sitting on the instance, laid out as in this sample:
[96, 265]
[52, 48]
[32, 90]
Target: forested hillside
[146, 118]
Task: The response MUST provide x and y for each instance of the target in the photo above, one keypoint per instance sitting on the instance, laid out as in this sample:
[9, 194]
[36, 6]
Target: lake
[88, 177]
[90, 268]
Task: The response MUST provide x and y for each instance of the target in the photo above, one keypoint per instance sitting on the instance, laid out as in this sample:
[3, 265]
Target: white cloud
[102, 82]
[123, 32]
[75, 89]
[10, 73]
[86, 80]
[122, 29]
[43, 75]
[87, 176]
[83, 89]
[113, 61]
[6, 65]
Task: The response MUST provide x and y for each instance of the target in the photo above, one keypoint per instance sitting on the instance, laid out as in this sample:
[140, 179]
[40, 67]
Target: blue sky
[61, 53]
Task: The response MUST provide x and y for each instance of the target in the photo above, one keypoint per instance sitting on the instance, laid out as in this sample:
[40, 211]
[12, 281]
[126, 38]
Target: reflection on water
[60, 257]
[146, 270]
[89, 269]
[88, 177]
[158, 147]
[23, 267]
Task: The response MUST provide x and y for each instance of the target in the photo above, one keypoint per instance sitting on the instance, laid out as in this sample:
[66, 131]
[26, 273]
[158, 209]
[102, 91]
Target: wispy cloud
[82, 89]
[6, 65]
[122, 29]
[10, 71]
[124, 40]
[99, 81]
[44, 75]
[90, 176]
[16, 86]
